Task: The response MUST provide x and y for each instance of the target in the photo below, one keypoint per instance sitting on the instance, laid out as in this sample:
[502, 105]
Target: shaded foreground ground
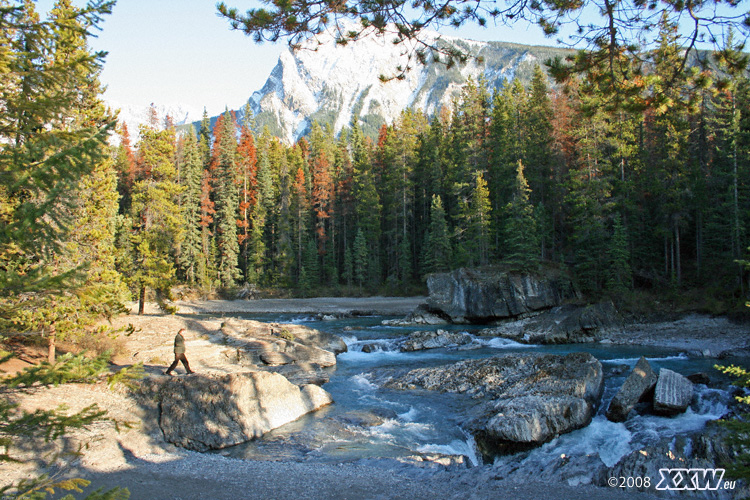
[218, 478]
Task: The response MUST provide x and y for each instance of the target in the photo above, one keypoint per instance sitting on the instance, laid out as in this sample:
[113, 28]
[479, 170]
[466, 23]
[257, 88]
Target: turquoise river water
[369, 421]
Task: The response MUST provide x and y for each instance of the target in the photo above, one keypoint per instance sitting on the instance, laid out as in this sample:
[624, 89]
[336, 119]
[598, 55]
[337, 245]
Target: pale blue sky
[181, 52]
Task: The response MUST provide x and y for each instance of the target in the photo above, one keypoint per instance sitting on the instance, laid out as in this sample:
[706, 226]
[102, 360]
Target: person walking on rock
[179, 354]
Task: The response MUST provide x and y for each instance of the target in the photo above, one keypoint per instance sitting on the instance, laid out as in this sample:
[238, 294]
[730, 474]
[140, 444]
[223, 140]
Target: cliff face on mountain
[329, 83]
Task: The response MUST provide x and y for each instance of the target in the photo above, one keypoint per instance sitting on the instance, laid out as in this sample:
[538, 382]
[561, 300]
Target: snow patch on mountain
[134, 115]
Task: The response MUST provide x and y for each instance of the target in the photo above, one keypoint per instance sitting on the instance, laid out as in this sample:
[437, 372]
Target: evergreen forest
[646, 189]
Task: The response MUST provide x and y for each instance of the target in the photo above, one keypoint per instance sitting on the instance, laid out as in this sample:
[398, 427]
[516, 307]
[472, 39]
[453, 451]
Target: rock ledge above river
[566, 324]
[488, 294]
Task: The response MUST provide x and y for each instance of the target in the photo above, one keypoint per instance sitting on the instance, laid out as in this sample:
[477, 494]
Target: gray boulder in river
[418, 341]
[673, 393]
[486, 294]
[420, 316]
[639, 384]
[524, 400]
[202, 412]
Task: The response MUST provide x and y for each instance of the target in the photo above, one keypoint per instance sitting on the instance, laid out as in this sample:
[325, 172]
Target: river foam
[466, 448]
[658, 359]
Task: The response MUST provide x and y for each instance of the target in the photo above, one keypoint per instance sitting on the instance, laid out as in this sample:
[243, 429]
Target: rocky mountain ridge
[332, 83]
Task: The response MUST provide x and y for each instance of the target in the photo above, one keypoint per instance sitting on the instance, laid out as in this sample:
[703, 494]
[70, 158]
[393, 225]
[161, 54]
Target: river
[369, 421]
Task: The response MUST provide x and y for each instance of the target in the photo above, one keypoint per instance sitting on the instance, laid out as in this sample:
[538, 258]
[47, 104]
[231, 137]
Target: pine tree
[311, 276]
[53, 132]
[344, 206]
[537, 118]
[91, 245]
[322, 186]
[204, 139]
[126, 169]
[247, 162]
[722, 222]
[668, 129]
[398, 154]
[157, 222]
[261, 238]
[481, 220]
[367, 209]
[191, 169]
[224, 165]
[429, 179]
[206, 263]
[437, 248]
[589, 202]
[301, 209]
[405, 260]
[620, 276]
[360, 258]
[284, 249]
[521, 237]
[469, 130]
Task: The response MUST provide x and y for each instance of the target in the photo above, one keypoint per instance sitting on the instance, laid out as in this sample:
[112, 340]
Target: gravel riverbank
[382, 306]
[695, 334]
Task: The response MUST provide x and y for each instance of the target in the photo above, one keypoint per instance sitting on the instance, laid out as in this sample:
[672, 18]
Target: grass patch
[286, 335]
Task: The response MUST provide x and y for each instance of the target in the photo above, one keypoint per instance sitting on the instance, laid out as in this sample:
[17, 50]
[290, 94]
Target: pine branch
[69, 368]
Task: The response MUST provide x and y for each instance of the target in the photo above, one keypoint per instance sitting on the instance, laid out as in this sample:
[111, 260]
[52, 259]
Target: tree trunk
[52, 343]
[698, 243]
[736, 247]
[678, 262]
[142, 300]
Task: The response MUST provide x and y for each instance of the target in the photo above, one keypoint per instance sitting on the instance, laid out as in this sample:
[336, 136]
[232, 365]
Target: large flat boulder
[523, 400]
[482, 295]
[639, 385]
[202, 412]
[673, 393]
